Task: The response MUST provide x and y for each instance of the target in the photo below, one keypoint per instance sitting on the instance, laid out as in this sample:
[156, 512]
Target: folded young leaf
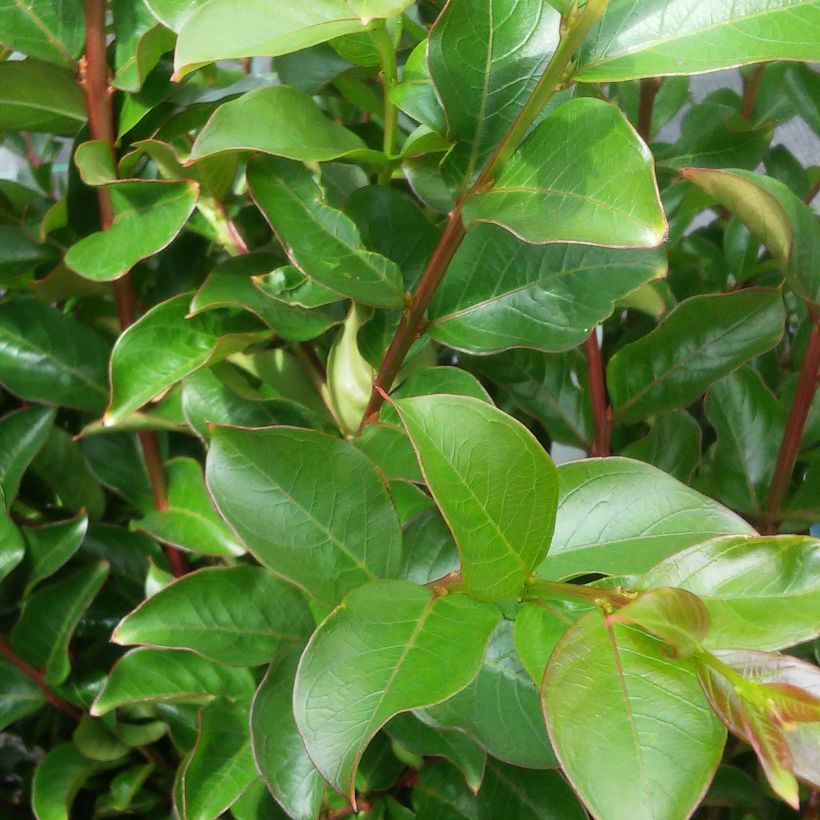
[582, 175]
[632, 729]
[420, 649]
[469, 451]
[637, 39]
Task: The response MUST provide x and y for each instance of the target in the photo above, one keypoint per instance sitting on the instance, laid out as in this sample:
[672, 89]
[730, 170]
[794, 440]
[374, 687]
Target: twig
[750, 86]
[601, 445]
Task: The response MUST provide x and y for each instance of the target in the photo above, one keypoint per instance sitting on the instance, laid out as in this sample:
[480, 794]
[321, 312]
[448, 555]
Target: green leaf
[704, 338]
[12, 547]
[19, 254]
[97, 742]
[233, 615]
[500, 709]
[416, 95]
[311, 508]
[582, 175]
[58, 778]
[22, 435]
[50, 616]
[636, 39]
[126, 785]
[20, 696]
[619, 517]
[50, 357]
[781, 220]
[761, 593]
[225, 29]
[632, 728]
[37, 96]
[321, 241]
[41, 28]
[147, 675]
[139, 44]
[116, 460]
[173, 13]
[429, 551]
[373, 9]
[281, 121]
[749, 422]
[467, 450]
[278, 747]
[420, 739]
[176, 346]
[501, 293]
[420, 649]
[485, 59]
[50, 546]
[672, 445]
[189, 521]
[220, 766]
[148, 215]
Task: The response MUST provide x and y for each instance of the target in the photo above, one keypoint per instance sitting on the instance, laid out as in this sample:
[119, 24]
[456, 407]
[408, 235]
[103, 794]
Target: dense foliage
[285, 347]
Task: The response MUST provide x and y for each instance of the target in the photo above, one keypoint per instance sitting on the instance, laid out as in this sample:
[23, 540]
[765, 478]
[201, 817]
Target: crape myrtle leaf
[173, 13]
[485, 59]
[116, 460]
[256, 803]
[635, 39]
[97, 741]
[20, 696]
[50, 357]
[37, 96]
[176, 345]
[420, 739]
[500, 709]
[704, 338]
[233, 615]
[501, 293]
[125, 786]
[672, 445]
[390, 647]
[139, 44]
[148, 675]
[22, 435]
[618, 516]
[190, 521]
[289, 285]
[281, 121]
[632, 728]
[19, 254]
[429, 550]
[321, 241]
[278, 747]
[761, 592]
[41, 28]
[467, 449]
[749, 422]
[676, 616]
[776, 216]
[371, 9]
[225, 29]
[12, 546]
[387, 446]
[50, 616]
[311, 508]
[416, 95]
[440, 792]
[60, 775]
[148, 215]
[582, 175]
[220, 766]
[50, 546]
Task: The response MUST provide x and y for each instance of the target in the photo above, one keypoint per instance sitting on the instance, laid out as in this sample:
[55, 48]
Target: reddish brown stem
[30, 672]
[601, 445]
[750, 86]
[790, 446]
[649, 90]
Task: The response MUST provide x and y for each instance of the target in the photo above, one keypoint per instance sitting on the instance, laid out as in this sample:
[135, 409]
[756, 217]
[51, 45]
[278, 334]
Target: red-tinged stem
[790, 446]
[94, 79]
[29, 671]
[601, 445]
[750, 86]
[649, 90]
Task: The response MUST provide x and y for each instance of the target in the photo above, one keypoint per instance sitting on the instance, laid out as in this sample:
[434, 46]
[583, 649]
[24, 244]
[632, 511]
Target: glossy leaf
[703, 339]
[619, 517]
[500, 709]
[673, 445]
[429, 551]
[190, 521]
[42, 29]
[176, 345]
[416, 95]
[321, 241]
[395, 647]
[60, 775]
[234, 615]
[278, 747]
[637, 39]
[20, 696]
[22, 435]
[761, 593]
[582, 175]
[12, 546]
[148, 675]
[139, 44]
[467, 449]
[50, 616]
[50, 546]
[50, 357]
[311, 508]
[501, 293]
[632, 728]
[148, 215]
